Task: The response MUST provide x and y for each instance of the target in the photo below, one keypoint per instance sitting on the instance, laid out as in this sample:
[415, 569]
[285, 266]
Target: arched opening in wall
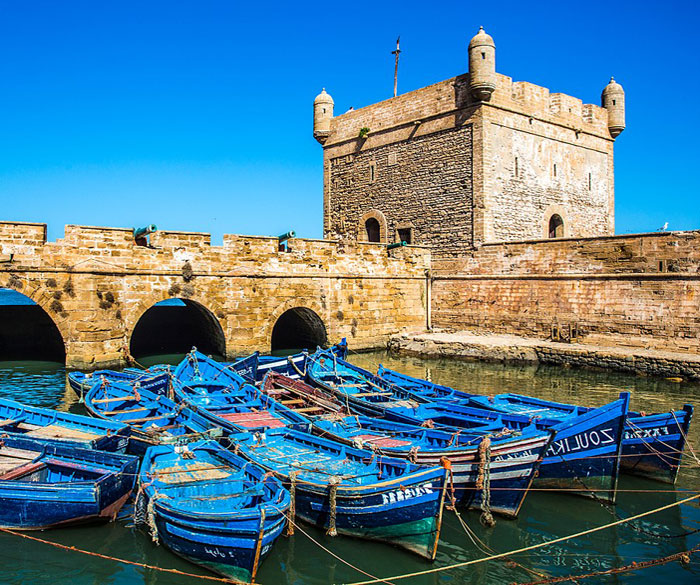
[27, 332]
[298, 328]
[556, 226]
[372, 230]
[174, 326]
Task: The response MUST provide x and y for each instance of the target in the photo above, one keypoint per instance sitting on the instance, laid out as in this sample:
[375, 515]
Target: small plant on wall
[364, 131]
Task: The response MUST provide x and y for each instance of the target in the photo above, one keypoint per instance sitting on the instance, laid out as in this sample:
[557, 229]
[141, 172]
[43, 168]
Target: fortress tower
[471, 160]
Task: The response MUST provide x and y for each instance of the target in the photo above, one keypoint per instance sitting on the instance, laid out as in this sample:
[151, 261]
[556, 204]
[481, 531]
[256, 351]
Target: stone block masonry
[638, 290]
[460, 172]
[96, 283]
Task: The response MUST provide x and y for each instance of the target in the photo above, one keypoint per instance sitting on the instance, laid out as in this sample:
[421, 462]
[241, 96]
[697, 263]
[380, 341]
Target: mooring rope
[683, 557]
[531, 547]
[125, 561]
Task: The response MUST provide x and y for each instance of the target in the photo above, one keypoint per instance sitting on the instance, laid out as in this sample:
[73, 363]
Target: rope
[483, 482]
[333, 485]
[298, 371]
[125, 561]
[532, 547]
[292, 502]
[683, 557]
[151, 519]
[338, 558]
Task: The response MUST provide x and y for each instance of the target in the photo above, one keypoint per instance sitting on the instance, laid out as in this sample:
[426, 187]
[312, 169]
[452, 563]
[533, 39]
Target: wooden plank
[12, 453]
[111, 412]
[115, 399]
[309, 409]
[363, 394]
[292, 401]
[21, 470]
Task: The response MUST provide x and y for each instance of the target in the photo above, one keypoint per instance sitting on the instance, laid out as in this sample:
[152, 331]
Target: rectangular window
[554, 170]
[590, 182]
[372, 172]
[392, 158]
[517, 170]
[405, 235]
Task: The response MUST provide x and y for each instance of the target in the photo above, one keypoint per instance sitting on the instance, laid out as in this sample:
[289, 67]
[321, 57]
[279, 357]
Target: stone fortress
[503, 191]
[471, 160]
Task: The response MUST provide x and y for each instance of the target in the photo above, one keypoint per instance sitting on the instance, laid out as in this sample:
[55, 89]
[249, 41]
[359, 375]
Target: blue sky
[197, 115]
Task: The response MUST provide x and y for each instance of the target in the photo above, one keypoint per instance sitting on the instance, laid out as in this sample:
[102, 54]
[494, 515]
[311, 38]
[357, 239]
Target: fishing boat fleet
[222, 459]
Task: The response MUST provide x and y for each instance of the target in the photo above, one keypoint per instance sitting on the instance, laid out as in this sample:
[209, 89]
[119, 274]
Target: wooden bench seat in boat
[253, 419]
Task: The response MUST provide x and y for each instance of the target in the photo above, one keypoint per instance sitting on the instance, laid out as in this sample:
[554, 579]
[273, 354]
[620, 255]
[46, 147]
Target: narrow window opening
[372, 230]
[590, 182]
[517, 170]
[324, 110]
[555, 170]
[405, 235]
[614, 102]
[556, 226]
[483, 55]
[372, 172]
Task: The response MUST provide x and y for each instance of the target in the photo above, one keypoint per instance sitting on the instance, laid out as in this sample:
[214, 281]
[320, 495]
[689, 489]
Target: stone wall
[641, 290]
[95, 284]
[423, 184]
[503, 166]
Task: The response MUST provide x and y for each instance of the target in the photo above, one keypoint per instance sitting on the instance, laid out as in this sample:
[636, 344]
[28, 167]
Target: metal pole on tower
[396, 64]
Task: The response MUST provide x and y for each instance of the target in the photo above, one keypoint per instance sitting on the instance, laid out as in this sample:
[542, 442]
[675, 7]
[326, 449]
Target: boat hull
[653, 445]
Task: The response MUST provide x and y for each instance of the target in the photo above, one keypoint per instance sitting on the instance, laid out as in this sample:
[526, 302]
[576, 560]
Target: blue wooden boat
[352, 491]
[45, 424]
[153, 416]
[583, 458]
[256, 366]
[211, 507]
[652, 445]
[512, 460]
[81, 382]
[222, 396]
[44, 485]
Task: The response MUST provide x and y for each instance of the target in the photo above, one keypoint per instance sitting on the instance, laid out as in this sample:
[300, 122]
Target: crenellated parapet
[96, 283]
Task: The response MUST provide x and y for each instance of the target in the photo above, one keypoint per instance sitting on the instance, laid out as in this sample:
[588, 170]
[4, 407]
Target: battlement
[419, 110]
[21, 234]
[95, 248]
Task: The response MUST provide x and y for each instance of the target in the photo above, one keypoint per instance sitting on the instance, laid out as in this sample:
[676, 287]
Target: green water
[297, 560]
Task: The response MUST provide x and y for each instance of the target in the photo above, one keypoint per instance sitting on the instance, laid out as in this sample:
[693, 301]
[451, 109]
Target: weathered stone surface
[509, 348]
[462, 173]
[96, 283]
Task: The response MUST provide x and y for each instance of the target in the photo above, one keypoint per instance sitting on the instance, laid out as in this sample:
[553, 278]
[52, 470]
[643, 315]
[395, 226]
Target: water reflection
[297, 561]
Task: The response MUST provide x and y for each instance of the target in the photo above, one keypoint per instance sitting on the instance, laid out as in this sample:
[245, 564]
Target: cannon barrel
[396, 245]
[144, 231]
[287, 236]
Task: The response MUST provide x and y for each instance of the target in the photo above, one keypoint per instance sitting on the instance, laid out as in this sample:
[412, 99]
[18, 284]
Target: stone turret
[323, 114]
[482, 66]
[613, 100]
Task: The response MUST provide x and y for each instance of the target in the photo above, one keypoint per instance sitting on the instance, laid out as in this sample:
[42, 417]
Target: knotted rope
[333, 485]
[292, 502]
[483, 482]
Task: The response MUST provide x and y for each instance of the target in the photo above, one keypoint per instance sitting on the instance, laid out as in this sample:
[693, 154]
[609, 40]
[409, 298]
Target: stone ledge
[510, 348]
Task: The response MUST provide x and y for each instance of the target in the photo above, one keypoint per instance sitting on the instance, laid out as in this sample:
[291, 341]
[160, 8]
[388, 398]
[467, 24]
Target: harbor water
[297, 560]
